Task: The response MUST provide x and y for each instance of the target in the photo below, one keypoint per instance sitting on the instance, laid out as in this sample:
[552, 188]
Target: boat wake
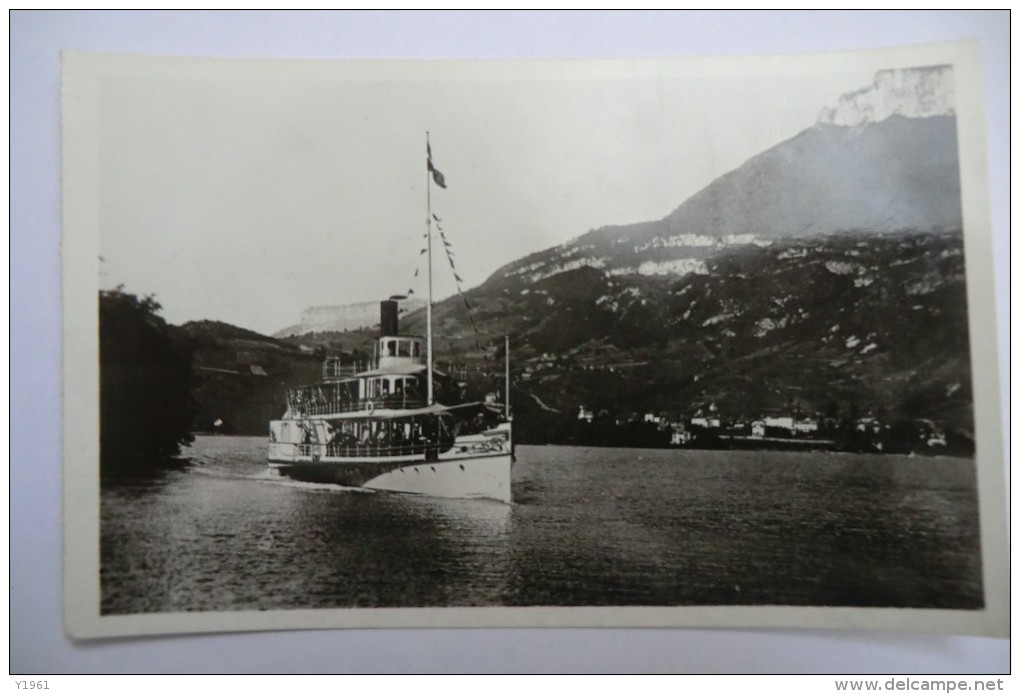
[270, 476]
[273, 477]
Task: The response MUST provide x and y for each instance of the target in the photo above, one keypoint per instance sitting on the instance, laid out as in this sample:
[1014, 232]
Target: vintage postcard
[701, 342]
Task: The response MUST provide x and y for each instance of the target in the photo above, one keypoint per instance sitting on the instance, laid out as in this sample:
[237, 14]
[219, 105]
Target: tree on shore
[146, 407]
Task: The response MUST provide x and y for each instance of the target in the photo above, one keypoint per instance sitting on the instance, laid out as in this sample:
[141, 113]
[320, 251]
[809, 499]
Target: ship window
[391, 348]
[415, 349]
[404, 348]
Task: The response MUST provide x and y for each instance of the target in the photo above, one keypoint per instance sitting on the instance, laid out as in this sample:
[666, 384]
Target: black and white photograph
[685, 342]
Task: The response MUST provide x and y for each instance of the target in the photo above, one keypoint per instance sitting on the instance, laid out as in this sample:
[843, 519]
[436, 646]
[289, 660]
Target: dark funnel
[387, 318]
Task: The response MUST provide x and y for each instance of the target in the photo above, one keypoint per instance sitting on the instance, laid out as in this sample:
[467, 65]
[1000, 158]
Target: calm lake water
[588, 526]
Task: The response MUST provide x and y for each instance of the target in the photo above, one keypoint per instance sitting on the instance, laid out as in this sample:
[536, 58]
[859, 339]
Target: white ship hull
[485, 477]
[475, 467]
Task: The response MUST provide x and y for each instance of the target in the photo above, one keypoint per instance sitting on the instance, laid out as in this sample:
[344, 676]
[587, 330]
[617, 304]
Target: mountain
[884, 159]
[825, 275]
[898, 174]
[862, 322]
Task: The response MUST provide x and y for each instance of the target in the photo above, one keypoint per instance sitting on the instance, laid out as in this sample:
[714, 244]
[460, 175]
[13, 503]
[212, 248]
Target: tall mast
[428, 234]
[506, 356]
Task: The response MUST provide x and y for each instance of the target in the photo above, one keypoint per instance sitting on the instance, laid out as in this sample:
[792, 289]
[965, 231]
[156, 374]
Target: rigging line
[471, 319]
[448, 249]
[460, 291]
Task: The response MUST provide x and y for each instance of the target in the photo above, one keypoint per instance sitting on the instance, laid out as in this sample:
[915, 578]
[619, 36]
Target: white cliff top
[913, 93]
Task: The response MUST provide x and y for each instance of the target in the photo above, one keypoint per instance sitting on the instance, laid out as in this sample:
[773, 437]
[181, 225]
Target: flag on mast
[437, 175]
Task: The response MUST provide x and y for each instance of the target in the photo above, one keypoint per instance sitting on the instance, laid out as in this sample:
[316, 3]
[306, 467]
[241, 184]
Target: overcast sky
[247, 191]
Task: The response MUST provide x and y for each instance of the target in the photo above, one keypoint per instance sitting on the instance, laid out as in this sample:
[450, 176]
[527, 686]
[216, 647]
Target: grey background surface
[38, 644]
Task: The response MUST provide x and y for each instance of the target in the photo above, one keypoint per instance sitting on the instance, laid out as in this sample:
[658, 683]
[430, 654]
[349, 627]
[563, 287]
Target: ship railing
[362, 450]
[374, 450]
[367, 405]
[308, 450]
[333, 368]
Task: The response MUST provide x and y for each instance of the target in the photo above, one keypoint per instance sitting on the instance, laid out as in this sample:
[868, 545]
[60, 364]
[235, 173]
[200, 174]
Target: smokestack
[388, 318]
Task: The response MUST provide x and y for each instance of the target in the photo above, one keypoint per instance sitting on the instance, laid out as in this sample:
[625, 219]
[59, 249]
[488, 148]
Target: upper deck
[399, 352]
[393, 378]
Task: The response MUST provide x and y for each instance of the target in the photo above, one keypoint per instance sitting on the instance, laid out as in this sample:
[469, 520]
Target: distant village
[707, 427]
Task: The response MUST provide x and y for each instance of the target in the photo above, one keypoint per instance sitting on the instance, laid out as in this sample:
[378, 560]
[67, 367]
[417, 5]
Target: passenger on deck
[399, 438]
[382, 438]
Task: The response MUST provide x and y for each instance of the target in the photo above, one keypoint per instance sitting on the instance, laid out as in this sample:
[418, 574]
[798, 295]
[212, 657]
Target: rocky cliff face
[342, 318]
[915, 93]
